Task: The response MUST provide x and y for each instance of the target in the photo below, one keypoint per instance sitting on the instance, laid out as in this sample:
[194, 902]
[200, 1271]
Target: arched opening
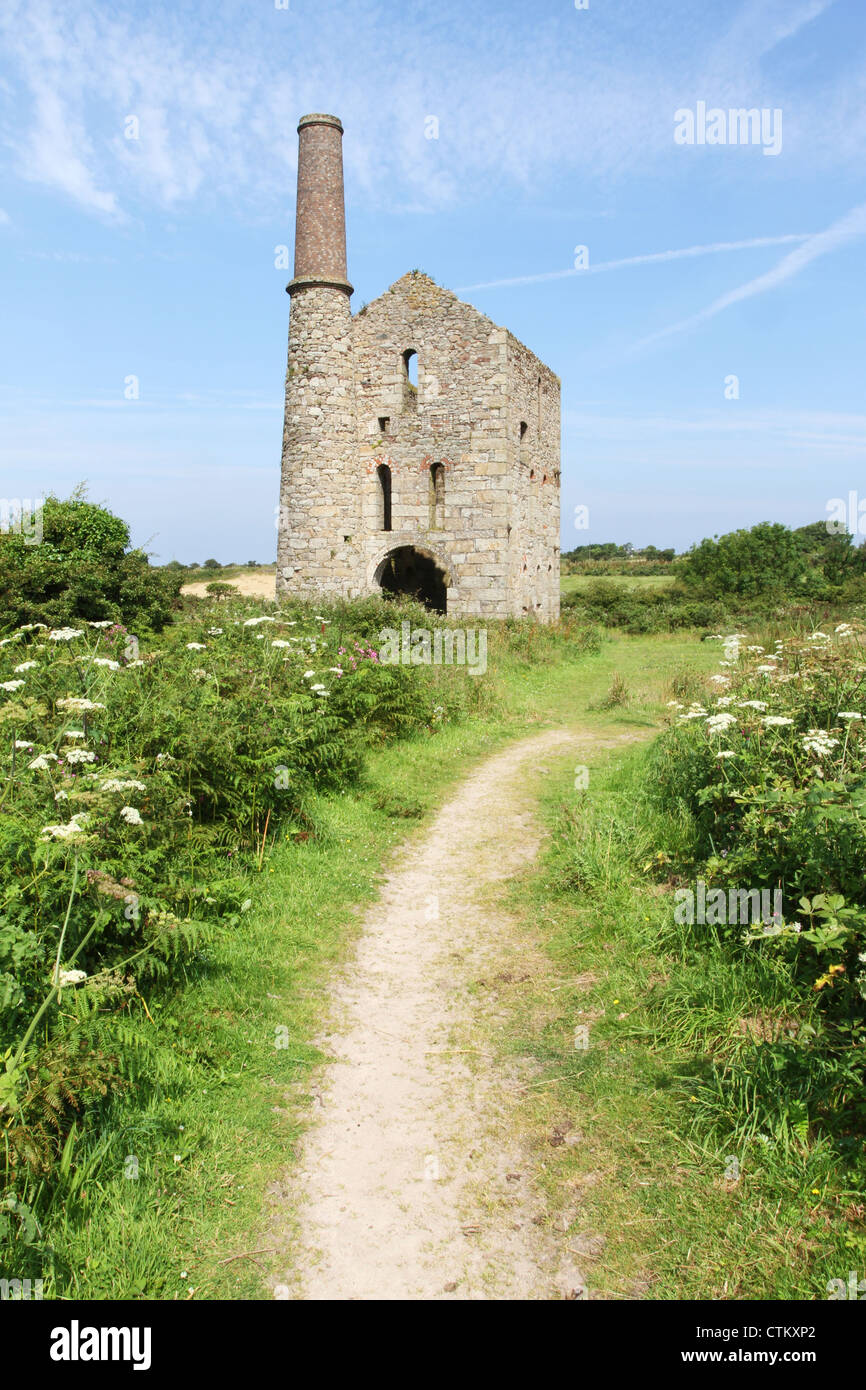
[408, 571]
[383, 473]
[437, 496]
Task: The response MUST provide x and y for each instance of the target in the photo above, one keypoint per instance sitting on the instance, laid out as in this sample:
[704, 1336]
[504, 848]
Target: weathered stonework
[467, 464]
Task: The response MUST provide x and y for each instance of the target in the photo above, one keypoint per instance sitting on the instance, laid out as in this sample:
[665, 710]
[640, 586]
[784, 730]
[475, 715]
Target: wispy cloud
[847, 229]
[217, 98]
[651, 258]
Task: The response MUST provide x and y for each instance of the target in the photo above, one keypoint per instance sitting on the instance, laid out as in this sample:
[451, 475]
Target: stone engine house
[421, 449]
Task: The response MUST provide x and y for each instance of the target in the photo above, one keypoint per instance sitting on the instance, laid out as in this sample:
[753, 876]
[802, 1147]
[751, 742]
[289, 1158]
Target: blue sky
[154, 257]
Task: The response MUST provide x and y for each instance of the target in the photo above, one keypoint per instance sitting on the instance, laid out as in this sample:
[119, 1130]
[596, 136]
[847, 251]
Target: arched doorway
[409, 571]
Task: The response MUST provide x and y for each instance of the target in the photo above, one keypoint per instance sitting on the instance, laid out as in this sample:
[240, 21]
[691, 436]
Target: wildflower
[130, 815]
[78, 755]
[42, 763]
[769, 670]
[165, 758]
[718, 722]
[196, 647]
[24, 743]
[319, 689]
[11, 685]
[71, 977]
[754, 649]
[101, 622]
[848, 714]
[337, 670]
[214, 632]
[64, 634]
[776, 720]
[819, 636]
[817, 741]
[720, 680]
[726, 753]
[724, 700]
[61, 795]
[26, 666]
[106, 661]
[672, 704]
[117, 784]
[280, 643]
[752, 704]
[134, 663]
[75, 733]
[254, 622]
[29, 627]
[78, 704]
[308, 674]
[75, 826]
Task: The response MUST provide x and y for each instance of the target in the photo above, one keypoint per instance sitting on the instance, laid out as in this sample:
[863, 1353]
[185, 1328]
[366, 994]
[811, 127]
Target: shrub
[82, 569]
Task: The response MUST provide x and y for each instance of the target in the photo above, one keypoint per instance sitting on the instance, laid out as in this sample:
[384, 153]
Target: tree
[81, 568]
[768, 559]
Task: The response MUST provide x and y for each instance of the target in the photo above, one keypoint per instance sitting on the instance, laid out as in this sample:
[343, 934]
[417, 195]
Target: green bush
[80, 569]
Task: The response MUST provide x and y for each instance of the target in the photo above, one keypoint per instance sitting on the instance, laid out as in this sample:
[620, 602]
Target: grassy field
[574, 583]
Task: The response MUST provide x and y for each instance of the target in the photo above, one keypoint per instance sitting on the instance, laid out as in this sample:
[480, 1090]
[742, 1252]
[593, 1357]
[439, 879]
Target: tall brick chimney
[320, 499]
[320, 228]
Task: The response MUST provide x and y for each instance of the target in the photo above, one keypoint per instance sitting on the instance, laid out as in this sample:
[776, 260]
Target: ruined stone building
[421, 442]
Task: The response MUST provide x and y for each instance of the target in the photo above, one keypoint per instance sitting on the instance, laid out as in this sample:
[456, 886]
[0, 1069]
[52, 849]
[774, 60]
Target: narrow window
[437, 496]
[523, 428]
[539, 406]
[384, 424]
[384, 474]
[410, 379]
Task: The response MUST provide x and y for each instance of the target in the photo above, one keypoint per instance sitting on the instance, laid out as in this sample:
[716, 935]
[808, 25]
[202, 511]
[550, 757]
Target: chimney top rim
[320, 118]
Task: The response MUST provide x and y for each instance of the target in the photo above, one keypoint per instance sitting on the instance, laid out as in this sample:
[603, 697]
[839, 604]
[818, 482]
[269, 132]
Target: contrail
[675, 255]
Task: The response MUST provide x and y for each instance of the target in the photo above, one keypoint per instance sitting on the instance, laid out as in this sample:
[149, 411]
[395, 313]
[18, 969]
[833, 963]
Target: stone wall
[351, 410]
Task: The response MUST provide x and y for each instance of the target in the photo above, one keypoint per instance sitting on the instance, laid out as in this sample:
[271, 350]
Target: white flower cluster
[64, 832]
[817, 741]
[65, 634]
[117, 784]
[78, 704]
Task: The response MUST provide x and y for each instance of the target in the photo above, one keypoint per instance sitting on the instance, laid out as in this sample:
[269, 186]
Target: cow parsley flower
[818, 741]
[726, 753]
[717, 722]
[65, 634]
[196, 647]
[118, 784]
[106, 661]
[71, 977]
[78, 755]
[78, 704]
[752, 704]
[26, 666]
[848, 714]
[776, 720]
[75, 826]
[130, 815]
[43, 762]
[11, 685]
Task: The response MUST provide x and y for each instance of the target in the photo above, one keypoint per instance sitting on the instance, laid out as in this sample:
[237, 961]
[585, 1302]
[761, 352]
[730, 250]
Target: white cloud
[519, 102]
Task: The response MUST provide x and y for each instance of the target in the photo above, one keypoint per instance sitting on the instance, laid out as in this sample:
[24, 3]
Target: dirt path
[416, 1178]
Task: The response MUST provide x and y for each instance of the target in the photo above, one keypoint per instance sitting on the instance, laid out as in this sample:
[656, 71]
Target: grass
[174, 1188]
[626, 1153]
[218, 1128]
[574, 583]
